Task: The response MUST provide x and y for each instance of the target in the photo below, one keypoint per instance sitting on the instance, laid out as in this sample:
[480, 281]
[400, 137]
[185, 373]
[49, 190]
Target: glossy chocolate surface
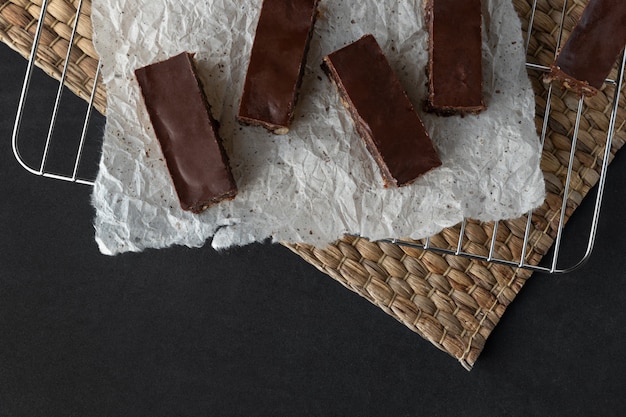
[383, 114]
[593, 47]
[186, 131]
[277, 63]
[455, 56]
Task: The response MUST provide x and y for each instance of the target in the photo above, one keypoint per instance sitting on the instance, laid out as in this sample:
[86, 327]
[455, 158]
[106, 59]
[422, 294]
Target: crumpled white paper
[318, 182]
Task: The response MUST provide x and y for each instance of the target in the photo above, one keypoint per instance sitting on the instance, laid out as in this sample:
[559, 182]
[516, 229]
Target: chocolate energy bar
[383, 114]
[188, 134]
[455, 77]
[277, 63]
[592, 48]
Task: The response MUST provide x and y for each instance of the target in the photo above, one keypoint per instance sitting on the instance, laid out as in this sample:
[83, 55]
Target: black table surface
[258, 331]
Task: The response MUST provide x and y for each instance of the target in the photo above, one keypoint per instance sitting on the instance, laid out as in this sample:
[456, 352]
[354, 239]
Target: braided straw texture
[456, 302]
[18, 22]
[452, 301]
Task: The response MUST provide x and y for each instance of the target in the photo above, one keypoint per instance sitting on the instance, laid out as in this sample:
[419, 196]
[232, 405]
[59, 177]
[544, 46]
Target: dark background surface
[258, 331]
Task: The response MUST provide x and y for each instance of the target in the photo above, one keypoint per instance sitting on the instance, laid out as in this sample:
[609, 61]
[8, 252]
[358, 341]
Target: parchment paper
[318, 182]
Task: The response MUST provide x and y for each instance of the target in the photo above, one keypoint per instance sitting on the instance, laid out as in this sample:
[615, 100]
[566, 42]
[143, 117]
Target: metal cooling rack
[41, 165]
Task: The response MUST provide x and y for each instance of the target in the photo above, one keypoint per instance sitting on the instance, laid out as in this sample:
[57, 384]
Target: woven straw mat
[454, 302]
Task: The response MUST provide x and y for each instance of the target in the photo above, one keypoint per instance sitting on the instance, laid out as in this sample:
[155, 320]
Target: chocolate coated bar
[592, 48]
[383, 115]
[277, 63]
[188, 134]
[455, 78]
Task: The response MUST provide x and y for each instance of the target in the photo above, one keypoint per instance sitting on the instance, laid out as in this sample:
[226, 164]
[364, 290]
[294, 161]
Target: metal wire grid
[553, 266]
[43, 170]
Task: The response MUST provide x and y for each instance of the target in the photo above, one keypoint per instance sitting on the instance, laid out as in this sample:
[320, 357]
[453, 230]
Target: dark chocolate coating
[455, 56]
[186, 131]
[383, 114]
[592, 48]
[277, 63]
